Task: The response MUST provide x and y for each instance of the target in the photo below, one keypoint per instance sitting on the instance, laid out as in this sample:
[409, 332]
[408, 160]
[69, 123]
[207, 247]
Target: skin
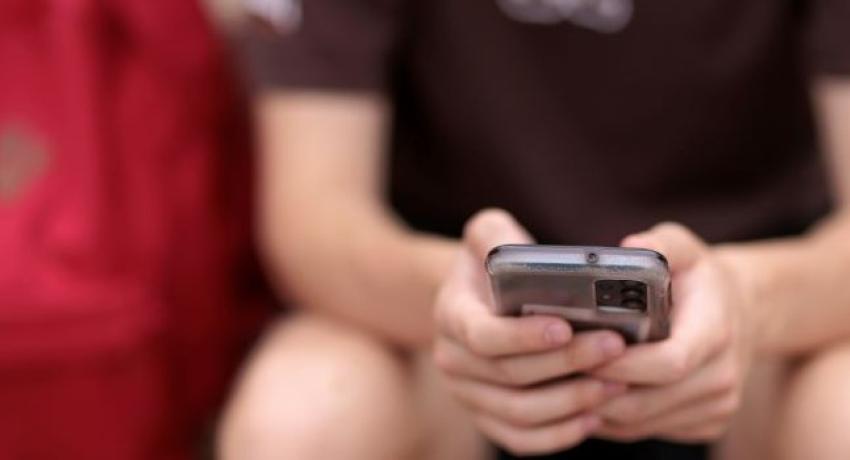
[355, 269]
[325, 228]
[362, 284]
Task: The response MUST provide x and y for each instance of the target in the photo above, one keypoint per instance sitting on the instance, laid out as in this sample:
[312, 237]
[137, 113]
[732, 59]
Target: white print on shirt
[607, 16]
[284, 15]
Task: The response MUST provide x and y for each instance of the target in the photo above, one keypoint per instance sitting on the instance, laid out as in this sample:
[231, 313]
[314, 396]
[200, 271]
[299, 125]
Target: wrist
[751, 281]
[778, 279]
[433, 256]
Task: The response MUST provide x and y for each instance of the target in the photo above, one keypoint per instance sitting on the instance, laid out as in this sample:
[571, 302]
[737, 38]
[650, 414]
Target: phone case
[622, 289]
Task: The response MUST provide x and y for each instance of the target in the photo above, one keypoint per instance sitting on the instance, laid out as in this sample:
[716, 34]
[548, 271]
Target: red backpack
[127, 286]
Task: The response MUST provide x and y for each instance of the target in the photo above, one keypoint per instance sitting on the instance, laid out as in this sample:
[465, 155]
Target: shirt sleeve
[828, 37]
[323, 44]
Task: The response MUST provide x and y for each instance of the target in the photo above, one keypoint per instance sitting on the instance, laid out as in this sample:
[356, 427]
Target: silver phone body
[579, 282]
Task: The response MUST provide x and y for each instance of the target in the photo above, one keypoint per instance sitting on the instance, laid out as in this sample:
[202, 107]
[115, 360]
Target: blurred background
[128, 286]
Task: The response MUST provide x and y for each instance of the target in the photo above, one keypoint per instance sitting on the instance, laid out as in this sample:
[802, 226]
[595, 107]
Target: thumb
[680, 246]
[490, 228]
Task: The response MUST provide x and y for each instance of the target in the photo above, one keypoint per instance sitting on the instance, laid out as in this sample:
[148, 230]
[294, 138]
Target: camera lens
[633, 304]
[632, 293]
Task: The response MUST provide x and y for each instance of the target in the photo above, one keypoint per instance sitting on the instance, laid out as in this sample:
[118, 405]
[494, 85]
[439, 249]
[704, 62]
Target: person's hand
[687, 387]
[510, 372]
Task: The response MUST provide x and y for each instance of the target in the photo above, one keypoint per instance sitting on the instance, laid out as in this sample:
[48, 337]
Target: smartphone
[622, 289]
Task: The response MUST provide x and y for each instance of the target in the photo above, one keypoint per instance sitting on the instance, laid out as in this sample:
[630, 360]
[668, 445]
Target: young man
[386, 124]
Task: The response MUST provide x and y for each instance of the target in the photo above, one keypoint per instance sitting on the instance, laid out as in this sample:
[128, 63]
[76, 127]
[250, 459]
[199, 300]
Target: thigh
[753, 430]
[794, 410]
[316, 388]
[448, 426]
[815, 414]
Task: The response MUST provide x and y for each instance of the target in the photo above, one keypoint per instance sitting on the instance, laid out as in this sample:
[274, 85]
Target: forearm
[798, 289]
[357, 263]
[330, 240]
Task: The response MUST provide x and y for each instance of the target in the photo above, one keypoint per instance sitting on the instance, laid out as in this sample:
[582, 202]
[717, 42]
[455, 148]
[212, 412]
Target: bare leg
[752, 432]
[815, 417]
[318, 389]
[795, 411]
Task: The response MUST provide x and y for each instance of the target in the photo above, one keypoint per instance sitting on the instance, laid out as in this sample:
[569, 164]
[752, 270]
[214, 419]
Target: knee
[816, 411]
[317, 389]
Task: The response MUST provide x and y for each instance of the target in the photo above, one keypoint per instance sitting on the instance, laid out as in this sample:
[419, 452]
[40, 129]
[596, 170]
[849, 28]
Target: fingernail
[557, 333]
[613, 388]
[591, 422]
[612, 345]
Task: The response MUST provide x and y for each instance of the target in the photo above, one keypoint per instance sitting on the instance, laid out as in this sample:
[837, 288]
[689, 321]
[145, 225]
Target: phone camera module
[620, 295]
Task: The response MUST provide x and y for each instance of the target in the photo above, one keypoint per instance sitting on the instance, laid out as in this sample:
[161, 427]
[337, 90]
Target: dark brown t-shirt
[692, 111]
[587, 119]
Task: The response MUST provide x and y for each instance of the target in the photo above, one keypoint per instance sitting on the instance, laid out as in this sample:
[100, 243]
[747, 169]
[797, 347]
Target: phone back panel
[577, 282]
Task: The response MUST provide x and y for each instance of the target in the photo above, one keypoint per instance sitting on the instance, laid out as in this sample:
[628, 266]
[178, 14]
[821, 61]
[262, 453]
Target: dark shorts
[646, 450]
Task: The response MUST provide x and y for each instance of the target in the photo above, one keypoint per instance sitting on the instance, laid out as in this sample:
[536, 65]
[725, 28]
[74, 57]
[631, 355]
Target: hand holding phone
[534, 391]
[524, 378]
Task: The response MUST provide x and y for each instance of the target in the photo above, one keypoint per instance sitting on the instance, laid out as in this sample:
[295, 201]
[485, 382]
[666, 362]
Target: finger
[464, 318]
[709, 411]
[491, 228]
[586, 351]
[534, 406]
[539, 440]
[642, 404]
[456, 361]
[697, 335]
[462, 310]
[681, 247]
[694, 337]
[483, 232]
[661, 363]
